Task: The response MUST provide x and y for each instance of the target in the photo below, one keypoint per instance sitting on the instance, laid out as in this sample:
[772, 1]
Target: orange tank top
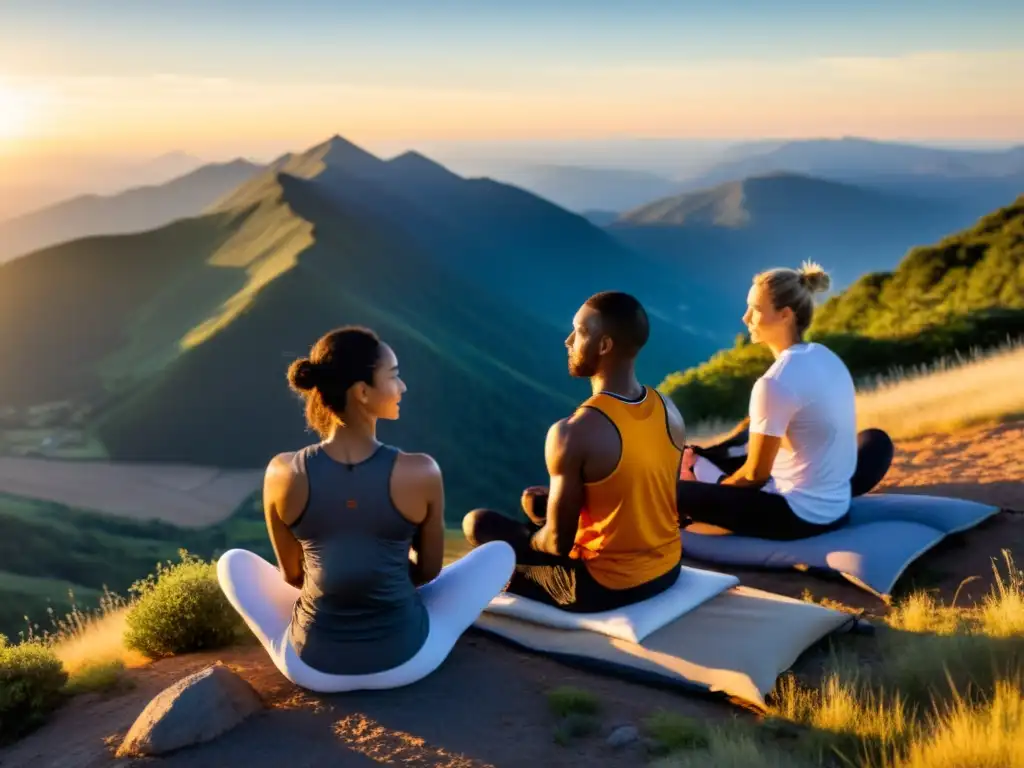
[629, 526]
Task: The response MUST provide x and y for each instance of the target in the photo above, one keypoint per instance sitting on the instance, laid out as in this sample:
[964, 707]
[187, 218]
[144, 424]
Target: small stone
[623, 735]
[195, 709]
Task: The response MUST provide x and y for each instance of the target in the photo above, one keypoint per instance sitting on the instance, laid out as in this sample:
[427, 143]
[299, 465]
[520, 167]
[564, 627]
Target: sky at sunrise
[255, 78]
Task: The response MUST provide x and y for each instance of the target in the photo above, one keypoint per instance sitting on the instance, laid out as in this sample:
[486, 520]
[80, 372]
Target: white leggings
[453, 600]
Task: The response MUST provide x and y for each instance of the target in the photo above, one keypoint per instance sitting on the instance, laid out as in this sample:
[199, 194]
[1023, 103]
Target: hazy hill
[134, 210]
[172, 344]
[967, 290]
[855, 157]
[779, 200]
[31, 181]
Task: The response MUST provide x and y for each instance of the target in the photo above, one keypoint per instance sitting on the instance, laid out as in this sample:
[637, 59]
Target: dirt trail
[486, 706]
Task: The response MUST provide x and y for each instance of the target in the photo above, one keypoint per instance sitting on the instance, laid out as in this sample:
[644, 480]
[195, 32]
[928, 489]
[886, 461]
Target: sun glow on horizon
[16, 112]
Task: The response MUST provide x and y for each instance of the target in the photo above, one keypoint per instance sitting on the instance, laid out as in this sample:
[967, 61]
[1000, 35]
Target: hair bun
[813, 277]
[303, 374]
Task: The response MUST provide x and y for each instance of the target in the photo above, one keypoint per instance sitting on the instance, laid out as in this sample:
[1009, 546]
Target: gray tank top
[358, 611]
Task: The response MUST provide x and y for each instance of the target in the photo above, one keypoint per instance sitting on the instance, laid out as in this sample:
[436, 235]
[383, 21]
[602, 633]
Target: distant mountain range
[134, 210]
[852, 158]
[978, 179]
[29, 182]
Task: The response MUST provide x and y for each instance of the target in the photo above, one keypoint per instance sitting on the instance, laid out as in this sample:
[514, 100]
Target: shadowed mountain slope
[172, 344]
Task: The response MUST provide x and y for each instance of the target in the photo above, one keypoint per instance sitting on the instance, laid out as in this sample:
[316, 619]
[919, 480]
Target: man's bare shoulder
[676, 424]
[583, 430]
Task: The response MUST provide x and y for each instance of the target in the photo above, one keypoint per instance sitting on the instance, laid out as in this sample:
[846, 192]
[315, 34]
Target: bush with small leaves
[31, 686]
[181, 609]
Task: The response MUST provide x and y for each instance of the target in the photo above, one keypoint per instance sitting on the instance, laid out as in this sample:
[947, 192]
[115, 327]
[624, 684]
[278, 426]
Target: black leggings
[747, 511]
[559, 581]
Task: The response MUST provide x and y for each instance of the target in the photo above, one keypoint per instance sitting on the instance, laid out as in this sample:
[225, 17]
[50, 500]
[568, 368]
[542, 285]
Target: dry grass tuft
[978, 389]
[990, 735]
[98, 641]
[1001, 613]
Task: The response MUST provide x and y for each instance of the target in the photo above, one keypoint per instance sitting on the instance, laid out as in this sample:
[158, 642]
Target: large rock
[195, 709]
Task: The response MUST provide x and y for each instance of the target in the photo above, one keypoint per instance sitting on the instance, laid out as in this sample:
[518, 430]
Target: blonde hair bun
[813, 277]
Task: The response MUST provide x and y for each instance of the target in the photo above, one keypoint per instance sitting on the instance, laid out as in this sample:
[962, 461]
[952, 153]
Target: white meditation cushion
[632, 623]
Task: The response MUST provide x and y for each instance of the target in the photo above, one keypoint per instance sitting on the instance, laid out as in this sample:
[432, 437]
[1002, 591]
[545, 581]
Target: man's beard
[581, 368]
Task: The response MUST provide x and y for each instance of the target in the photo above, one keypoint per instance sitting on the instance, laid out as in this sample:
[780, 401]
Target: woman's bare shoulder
[285, 485]
[417, 468]
[281, 468]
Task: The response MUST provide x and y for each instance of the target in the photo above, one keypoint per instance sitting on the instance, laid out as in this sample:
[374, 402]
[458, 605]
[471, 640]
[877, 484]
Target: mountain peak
[335, 154]
[338, 149]
[421, 166]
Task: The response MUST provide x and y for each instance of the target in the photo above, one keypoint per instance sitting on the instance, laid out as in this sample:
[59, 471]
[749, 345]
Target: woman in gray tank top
[358, 530]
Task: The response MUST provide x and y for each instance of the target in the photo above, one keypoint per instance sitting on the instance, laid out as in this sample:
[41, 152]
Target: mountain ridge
[136, 209]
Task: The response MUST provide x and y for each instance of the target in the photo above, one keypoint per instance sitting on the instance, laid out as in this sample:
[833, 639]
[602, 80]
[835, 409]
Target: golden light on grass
[98, 641]
[984, 390]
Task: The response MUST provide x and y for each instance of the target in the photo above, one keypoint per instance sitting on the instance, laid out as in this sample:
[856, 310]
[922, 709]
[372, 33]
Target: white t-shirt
[807, 397]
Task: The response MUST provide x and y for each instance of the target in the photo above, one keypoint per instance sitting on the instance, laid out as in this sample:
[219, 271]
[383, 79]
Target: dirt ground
[181, 495]
[486, 706]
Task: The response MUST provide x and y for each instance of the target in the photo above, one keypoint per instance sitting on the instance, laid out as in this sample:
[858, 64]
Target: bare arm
[757, 469]
[284, 495]
[428, 544]
[771, 409]
[563, 452]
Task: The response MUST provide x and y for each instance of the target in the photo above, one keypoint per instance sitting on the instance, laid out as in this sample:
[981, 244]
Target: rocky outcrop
[196, 709]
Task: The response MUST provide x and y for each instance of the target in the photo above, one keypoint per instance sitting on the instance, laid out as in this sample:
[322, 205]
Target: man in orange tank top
[605, 532]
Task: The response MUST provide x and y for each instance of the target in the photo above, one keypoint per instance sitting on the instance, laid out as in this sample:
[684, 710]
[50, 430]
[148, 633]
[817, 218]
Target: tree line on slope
[966, 291]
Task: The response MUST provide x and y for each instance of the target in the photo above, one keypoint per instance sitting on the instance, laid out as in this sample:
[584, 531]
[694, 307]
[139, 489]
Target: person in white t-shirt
[794, 458]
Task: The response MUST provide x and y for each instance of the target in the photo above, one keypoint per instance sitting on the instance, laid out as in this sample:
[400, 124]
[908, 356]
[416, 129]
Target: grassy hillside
[101, 298]
[965, 291]
[49, 549]
[134, 210]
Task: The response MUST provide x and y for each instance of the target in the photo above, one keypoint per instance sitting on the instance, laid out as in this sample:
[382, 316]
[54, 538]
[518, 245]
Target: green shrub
[97, 677]
[31, 686]
[566, 700]
[675, 732]
[181, 609]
